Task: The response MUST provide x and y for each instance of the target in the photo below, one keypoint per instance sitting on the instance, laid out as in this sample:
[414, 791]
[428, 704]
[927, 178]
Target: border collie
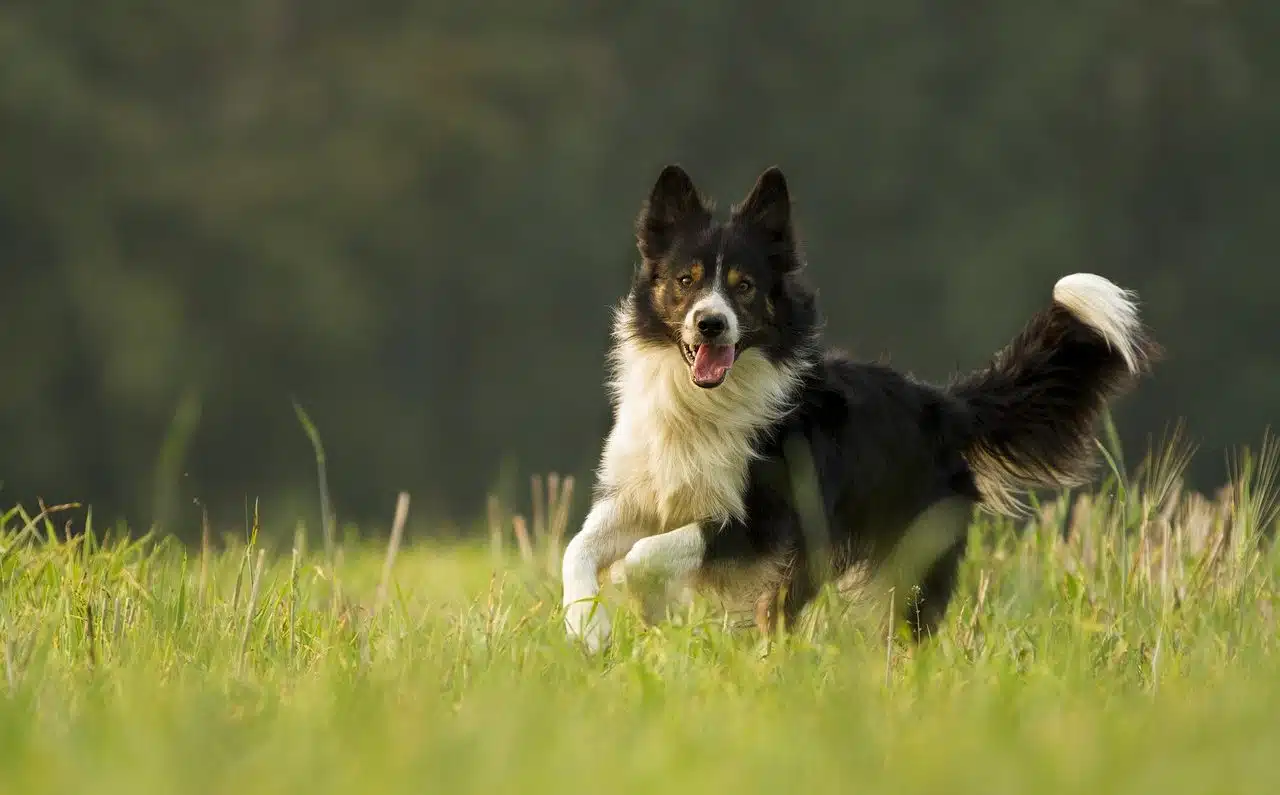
[744, 458]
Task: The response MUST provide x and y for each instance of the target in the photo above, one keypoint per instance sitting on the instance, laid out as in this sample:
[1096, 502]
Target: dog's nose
[711, 325]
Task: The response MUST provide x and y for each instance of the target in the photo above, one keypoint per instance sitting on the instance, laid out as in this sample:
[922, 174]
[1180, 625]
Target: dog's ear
[674, 203]
[768, 208]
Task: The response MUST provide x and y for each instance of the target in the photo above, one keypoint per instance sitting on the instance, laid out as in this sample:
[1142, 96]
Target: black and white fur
[698, 482]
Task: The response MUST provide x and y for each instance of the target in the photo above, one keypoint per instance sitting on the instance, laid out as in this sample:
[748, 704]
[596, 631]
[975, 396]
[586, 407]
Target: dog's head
[713, 290]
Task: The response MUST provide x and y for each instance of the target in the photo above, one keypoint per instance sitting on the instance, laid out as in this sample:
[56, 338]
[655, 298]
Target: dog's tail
[1031, 411]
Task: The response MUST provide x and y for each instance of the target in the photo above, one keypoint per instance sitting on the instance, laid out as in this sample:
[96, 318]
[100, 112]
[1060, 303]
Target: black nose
[712, 326]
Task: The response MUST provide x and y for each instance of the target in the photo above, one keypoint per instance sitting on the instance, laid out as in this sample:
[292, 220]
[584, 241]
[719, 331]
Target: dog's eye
[685, 280]
[745, 286]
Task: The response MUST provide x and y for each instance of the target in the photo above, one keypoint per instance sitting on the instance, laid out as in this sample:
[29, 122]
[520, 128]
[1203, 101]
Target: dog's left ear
[768, 207]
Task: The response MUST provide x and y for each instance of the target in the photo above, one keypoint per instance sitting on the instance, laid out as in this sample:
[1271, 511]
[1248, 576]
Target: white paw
[586, 621]
[618, 573]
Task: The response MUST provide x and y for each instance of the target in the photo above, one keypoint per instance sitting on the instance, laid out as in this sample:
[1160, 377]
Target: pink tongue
[711, 362]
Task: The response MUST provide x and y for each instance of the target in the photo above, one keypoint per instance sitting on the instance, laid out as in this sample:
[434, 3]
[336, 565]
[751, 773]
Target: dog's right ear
[674, 203]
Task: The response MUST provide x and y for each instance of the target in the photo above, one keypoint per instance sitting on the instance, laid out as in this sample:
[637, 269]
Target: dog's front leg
[606, 535]
[657, 563]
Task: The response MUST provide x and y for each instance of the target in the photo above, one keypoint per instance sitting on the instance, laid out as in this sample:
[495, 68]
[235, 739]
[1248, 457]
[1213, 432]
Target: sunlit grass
[1127, 645]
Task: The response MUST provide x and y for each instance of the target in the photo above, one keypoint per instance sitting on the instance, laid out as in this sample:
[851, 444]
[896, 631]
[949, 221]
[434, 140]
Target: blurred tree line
[414, 218]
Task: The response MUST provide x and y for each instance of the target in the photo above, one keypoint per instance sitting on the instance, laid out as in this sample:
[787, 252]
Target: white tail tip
[1111, 310]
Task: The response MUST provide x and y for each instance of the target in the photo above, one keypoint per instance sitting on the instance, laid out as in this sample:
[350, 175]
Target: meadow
[1123, 638]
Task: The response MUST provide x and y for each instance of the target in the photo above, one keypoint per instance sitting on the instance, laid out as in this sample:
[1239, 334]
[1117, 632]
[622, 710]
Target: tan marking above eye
[738, 282]
[686, 280]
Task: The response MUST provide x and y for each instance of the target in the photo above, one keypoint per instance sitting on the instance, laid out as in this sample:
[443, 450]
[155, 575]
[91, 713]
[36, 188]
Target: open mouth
[709, 364]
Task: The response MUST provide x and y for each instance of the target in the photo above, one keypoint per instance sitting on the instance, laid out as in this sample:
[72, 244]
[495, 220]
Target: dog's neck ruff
[679, 453]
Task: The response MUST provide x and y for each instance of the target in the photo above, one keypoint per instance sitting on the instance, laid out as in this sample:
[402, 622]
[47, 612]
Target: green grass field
[1138, 655]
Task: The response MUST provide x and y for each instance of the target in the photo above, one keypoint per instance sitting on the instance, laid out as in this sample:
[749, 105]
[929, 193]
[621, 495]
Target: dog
[746, 458]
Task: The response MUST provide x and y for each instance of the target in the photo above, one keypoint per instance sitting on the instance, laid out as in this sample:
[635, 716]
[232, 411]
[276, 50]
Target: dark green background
[414, 217]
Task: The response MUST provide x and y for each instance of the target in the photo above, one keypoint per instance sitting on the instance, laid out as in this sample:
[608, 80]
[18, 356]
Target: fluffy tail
[1032, 410]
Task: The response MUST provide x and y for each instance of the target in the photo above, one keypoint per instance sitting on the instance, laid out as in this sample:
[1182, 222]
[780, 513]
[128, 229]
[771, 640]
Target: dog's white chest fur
[678, 453]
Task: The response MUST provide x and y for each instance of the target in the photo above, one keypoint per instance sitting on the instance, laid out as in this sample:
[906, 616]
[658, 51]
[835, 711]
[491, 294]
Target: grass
[1128, 645]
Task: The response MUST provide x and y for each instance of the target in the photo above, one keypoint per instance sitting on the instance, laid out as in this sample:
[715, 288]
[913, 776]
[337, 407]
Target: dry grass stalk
[496, 544]
[559, 520]
[539, 509]
[205, 552]
[1197, 522]
[553, 507]
[522, 538]
[984, 582]
[1079, 533]
[553, 493]
[253, 600]
[552, 498]
[393, 546]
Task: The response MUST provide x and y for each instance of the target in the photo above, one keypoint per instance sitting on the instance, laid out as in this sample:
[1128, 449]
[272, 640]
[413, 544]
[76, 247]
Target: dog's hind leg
[794, 592]
[929, 606]
[944, 526]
